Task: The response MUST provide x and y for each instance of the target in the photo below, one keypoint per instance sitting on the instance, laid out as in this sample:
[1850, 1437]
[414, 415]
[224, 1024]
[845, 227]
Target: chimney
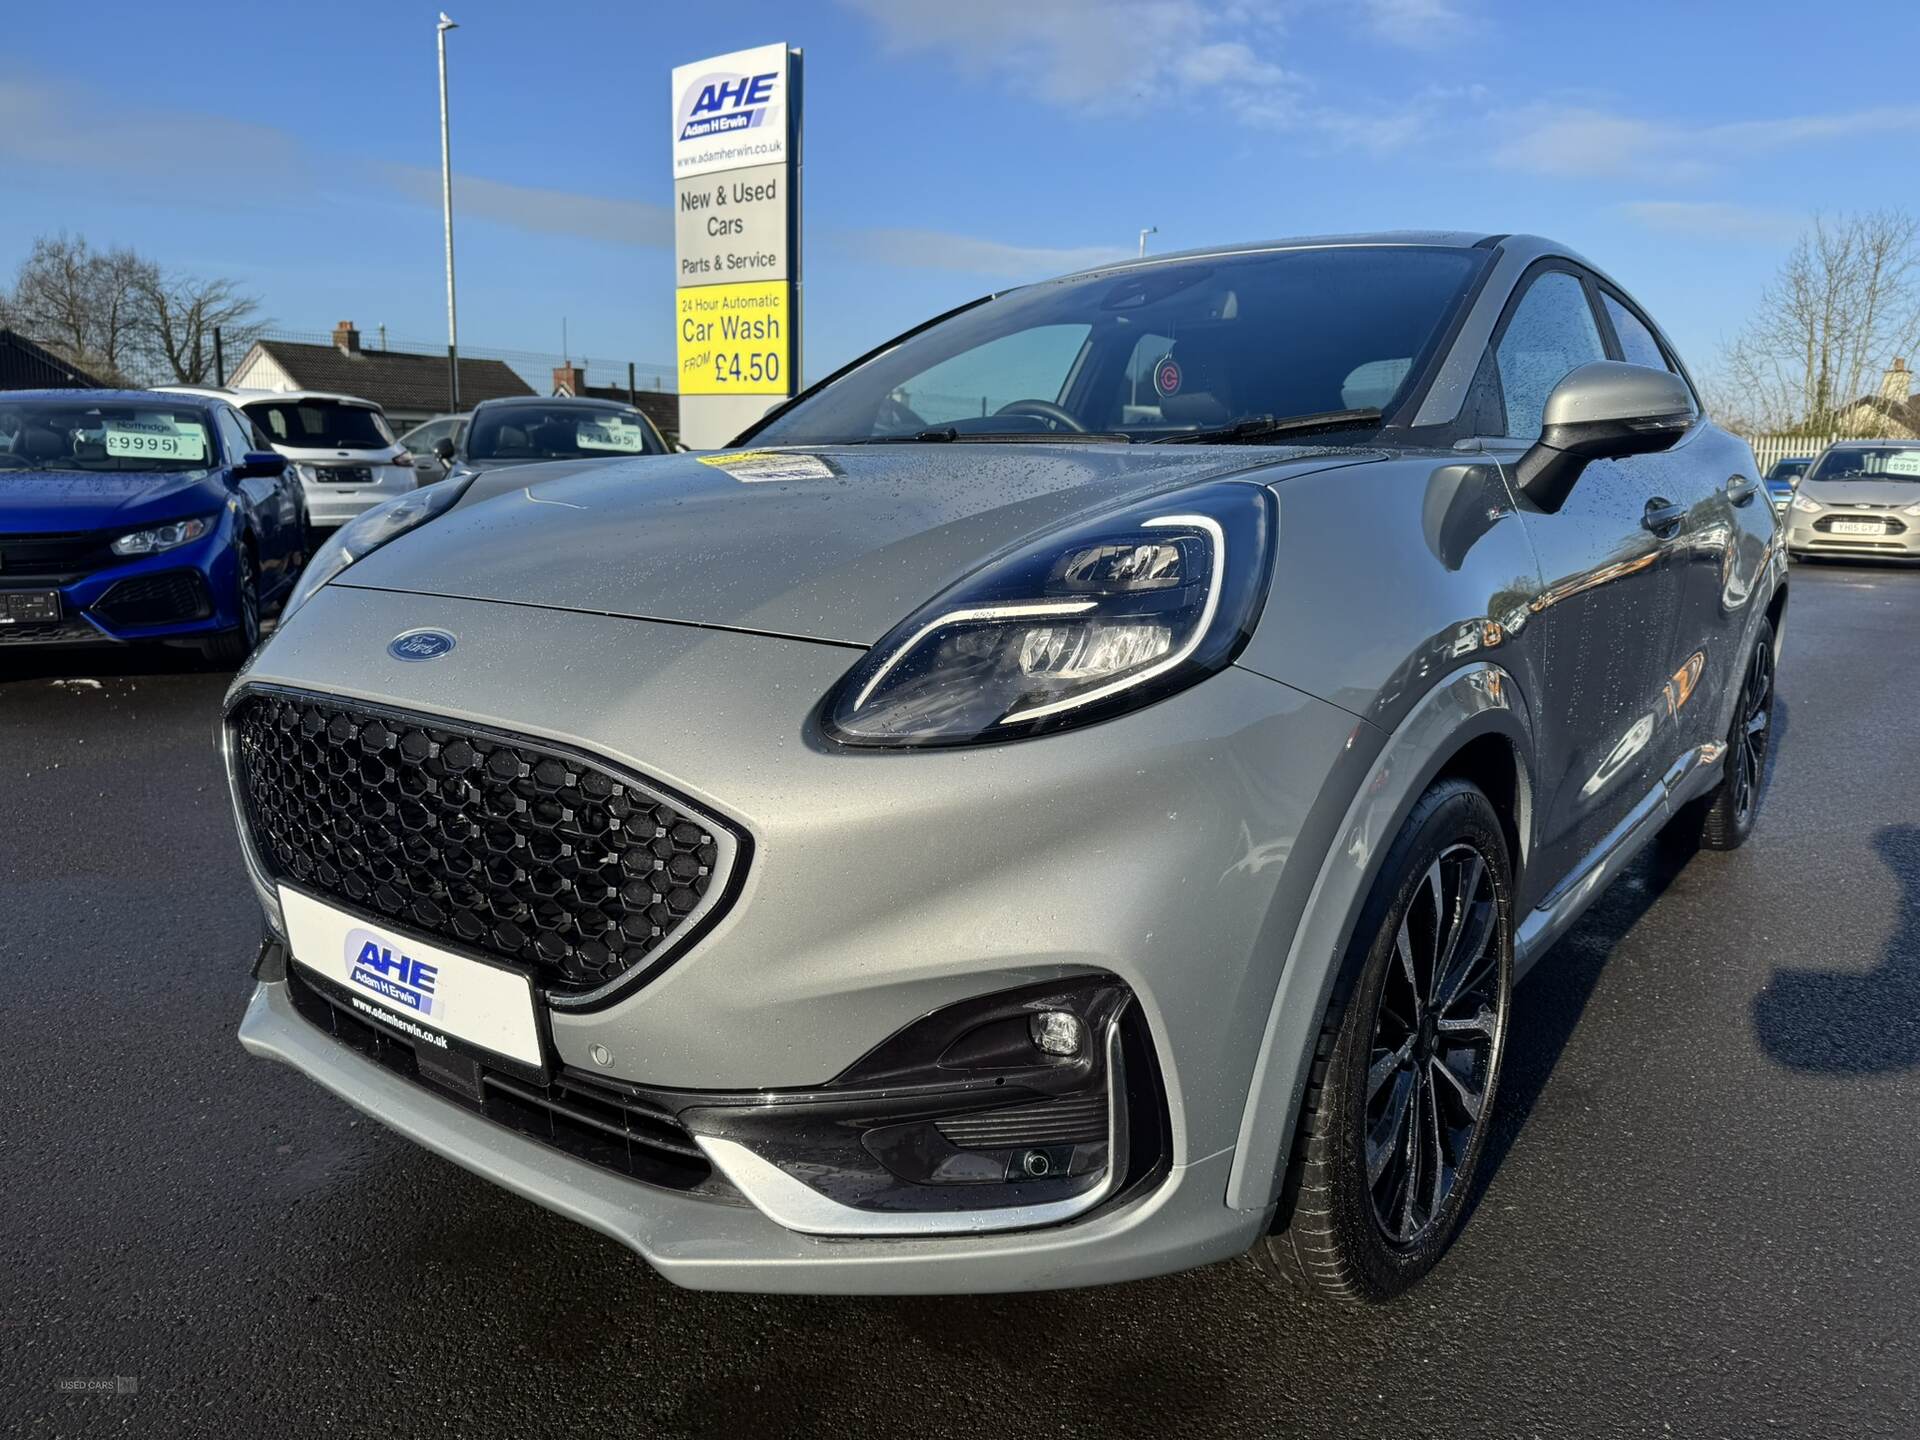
[1897, 384]
[569, 379]
[346, 339]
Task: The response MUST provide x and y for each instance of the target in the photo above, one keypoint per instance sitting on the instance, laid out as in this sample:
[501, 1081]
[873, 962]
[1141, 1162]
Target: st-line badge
[421, 645]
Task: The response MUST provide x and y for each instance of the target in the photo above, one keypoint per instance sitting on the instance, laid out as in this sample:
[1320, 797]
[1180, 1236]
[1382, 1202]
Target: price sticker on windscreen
[621, 437]
[155, 437]
[1904, 462]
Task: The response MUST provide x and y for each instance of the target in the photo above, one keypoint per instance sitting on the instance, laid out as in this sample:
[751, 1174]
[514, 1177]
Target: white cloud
[1579, 142]
[937, 250]
[1713, 219]
[540, 210]
[1416, 24]
[51, 126]
[1103, 56]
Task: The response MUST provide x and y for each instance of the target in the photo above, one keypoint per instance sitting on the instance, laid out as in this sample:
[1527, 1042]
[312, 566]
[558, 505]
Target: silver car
[1066, 799]
[1861, 497]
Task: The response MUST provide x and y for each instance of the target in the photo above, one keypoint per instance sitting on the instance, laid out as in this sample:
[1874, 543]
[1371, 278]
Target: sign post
[736, 207]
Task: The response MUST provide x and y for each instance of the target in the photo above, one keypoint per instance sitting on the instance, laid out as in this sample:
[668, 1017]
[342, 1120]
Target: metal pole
[631, 397]
[446, 210]
[219, 360]
[1150, 230]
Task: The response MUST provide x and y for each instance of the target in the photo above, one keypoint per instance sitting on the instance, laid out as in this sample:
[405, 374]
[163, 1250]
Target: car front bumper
[1804, 538]
[183, 594]
[1172, 850]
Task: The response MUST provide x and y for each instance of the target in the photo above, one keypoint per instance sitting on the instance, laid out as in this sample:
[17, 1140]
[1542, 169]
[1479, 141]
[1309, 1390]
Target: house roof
[392, 379]
[662, 407]
[1890, 412]
[24, 365]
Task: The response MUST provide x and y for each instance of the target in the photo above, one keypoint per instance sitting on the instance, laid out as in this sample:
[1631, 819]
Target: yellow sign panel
[736, 339]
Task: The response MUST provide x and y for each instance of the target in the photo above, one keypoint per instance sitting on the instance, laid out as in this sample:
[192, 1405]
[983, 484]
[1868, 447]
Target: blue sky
[953, 146]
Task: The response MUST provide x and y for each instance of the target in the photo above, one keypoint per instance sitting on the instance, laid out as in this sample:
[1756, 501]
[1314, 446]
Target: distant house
[1893, 414]
[27, 366]
[410, 387]
[662, 407]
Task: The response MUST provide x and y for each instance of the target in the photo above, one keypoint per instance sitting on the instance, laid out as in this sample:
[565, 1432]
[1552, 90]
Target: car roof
[587, 402]
[1524, 247]
[250, 397]
[1882, 443]
[163, 396]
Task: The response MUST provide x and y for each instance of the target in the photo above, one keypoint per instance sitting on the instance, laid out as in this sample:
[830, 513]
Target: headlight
[366, 533]
[1104, 618]
[162, 537]
[306, 474]
[1913, 509]
[1806, 506]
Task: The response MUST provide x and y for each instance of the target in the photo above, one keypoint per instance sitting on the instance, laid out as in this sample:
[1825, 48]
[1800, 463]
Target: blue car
[131, 517]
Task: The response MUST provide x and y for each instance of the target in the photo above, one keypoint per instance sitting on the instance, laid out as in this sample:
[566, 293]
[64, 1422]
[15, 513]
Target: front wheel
[1395, 1123]
[230, 647]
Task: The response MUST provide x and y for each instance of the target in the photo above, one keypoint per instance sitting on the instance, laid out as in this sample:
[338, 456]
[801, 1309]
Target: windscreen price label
[147, 437]
[736, 339]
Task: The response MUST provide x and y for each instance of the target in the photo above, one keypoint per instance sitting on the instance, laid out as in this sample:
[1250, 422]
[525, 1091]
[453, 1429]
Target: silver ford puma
[1066, 799]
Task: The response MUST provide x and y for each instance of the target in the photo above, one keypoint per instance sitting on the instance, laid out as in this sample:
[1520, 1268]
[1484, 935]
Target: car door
[1725, 537]
[1610, 589]
[262, 499]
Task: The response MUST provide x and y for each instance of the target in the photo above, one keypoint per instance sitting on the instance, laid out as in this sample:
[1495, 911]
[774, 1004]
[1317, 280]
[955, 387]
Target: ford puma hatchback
[1066, 799]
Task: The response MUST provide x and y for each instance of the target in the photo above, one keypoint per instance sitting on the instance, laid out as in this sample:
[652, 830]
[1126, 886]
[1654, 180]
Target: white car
[340, 446]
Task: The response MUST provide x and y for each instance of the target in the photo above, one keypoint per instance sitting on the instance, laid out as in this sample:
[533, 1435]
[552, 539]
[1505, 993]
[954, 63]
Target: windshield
[558, 432]
[321, 424]
[89, 435]
[1788, 469]
[1859, 462]
[1156, 352]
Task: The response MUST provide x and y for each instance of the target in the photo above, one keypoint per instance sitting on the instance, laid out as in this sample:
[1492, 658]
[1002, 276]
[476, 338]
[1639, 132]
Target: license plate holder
[1859, 527]
[29, 607]
[435, 999]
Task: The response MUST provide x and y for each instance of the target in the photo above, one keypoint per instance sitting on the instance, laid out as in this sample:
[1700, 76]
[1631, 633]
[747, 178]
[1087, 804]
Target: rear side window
[1637, 345]
[1550, 334]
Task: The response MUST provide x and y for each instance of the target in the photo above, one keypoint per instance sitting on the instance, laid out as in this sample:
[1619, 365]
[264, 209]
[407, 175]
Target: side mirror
[1602, 411]
[260, 465]
[443, 447]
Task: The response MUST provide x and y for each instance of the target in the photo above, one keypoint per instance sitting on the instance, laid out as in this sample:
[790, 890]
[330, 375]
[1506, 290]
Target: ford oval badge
[420, 645]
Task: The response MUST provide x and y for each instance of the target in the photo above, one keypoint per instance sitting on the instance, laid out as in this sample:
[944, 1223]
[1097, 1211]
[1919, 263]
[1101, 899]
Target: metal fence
[536, 367]
[1769, 449]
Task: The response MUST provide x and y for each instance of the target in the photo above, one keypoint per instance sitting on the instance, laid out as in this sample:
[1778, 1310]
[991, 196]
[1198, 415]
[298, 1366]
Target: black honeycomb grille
[503, 845]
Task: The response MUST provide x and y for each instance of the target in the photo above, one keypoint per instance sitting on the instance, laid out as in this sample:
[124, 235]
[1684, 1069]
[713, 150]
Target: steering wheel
[1044, 410]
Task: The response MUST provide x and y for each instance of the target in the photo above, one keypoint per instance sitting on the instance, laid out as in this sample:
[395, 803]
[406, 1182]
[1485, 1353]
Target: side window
[1637, 345]
[1026, 365]
[1550, 333]
[234, 437]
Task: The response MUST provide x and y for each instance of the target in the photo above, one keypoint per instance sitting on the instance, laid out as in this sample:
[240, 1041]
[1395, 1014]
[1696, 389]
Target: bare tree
[81, 302]
[1846, 301]
[178, 314]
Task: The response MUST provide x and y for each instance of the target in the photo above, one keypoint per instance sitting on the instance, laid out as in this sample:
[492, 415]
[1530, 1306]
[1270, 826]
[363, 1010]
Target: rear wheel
[1722, 819]
[1395, 1121]
[230, 647]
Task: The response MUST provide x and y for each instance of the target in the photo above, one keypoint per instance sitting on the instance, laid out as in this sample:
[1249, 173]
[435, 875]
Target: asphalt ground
[1700, 1219]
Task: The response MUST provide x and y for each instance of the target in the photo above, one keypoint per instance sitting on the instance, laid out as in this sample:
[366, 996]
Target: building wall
[258, 370]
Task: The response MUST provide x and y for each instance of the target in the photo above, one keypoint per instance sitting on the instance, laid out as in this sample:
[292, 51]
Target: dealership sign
[736, 216]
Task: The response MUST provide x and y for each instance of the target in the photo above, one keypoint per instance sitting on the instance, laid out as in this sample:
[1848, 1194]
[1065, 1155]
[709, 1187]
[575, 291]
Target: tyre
[1722, 819]
[230, 647]
[1396, 1114]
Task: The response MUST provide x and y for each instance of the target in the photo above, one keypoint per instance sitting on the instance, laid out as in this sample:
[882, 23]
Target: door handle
[1741, 490]
[1662, 516]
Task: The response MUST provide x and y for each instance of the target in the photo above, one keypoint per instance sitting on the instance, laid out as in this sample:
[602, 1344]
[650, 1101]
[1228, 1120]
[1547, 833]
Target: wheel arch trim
[1477, 701]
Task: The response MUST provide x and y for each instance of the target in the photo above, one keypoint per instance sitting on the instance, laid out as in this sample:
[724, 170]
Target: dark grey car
[1064, 800]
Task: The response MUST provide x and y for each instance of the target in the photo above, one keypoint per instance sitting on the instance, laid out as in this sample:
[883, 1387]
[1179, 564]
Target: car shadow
[1547, 1011]
[1849, 1022]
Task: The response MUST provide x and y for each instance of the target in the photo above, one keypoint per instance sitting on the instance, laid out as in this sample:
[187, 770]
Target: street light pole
[446, 210]
[1150, 230]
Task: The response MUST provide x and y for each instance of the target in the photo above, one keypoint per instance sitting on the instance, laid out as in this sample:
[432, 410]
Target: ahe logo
[726, 102]
[379, 965]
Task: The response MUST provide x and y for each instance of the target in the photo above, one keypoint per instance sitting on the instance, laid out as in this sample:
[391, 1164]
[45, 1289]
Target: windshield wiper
[948, 435]
[1260, 427]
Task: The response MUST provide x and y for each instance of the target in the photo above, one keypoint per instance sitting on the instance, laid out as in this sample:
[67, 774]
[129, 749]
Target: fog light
[1057, 1032]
